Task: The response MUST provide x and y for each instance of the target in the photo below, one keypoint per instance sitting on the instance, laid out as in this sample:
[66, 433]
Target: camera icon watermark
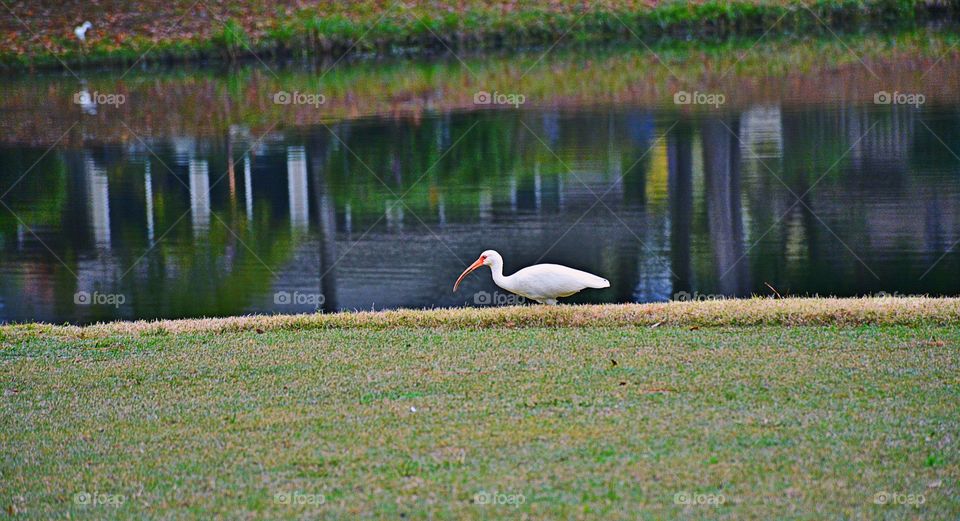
[299, 98]
[691, 499]
[498, 98]
[85, 298]
[499, 499]
[298, 498]
[899, 98]
[897, 498]
[92, 499]
[85, 98]
[298, 298]
[714, 99]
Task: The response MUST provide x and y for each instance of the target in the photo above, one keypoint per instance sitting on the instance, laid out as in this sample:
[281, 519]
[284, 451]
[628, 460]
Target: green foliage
[231, 39]
[282, 34]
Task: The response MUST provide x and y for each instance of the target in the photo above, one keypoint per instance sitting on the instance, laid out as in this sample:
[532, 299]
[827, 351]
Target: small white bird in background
[81, 31]
[544, 283]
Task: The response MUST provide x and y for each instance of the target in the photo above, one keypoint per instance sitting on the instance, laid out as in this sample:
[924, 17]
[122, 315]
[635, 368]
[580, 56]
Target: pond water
[841, 197]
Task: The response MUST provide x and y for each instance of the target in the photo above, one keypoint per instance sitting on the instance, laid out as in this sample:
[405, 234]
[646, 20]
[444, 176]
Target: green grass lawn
[698, 410]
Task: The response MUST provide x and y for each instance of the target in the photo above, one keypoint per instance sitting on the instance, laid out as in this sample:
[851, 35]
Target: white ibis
[81, 31]
[544, 283]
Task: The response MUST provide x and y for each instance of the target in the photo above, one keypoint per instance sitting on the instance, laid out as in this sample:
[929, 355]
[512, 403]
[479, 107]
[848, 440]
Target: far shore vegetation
[186, 31]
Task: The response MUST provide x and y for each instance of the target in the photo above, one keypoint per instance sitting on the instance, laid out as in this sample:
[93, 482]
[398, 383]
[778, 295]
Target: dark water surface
[832, 199]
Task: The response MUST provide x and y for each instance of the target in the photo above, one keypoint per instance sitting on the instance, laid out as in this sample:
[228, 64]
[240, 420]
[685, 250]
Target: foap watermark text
[683, 296]
[93, 499]
[898, 498]
[298, 298]
[694, 499]
[85, 298]
[714, 99]
[498, 98]
[299, 98]
[497, 298]
[499, 498]
[86, 98]
[899, 98]
[298, 498]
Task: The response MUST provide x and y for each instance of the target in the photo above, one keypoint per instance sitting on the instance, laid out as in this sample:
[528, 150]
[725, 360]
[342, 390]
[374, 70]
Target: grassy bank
[190, 31]
[888, 311]
[419, 414]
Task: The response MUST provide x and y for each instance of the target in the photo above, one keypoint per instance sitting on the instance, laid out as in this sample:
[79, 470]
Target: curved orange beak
[476, 264]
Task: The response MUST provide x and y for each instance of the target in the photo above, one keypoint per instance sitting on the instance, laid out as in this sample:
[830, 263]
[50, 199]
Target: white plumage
[544, 283]
[81, 31]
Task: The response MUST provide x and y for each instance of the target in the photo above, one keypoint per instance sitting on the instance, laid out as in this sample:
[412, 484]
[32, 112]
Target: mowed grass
[616, 421]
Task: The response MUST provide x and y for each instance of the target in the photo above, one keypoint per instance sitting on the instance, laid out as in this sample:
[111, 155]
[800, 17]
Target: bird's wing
[556, 281]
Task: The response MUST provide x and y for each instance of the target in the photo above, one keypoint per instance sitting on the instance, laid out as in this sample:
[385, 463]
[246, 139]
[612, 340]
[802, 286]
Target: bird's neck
[498, 278]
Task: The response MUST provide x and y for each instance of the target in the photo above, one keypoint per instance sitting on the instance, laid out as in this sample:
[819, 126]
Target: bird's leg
[550, 302]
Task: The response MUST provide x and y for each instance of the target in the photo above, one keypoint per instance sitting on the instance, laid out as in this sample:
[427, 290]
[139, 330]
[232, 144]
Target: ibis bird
[544, 283]
[81, 31]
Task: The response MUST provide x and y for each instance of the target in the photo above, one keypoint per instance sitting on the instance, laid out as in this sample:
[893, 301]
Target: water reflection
[381, 213]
